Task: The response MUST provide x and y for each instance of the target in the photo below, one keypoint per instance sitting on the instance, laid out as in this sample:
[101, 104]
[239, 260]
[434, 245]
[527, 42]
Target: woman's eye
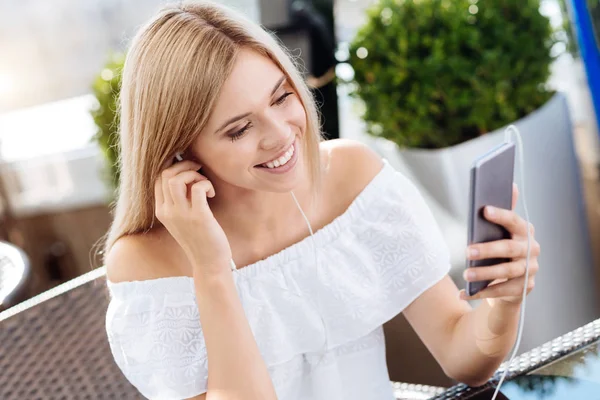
[238, 134]
[281, 100]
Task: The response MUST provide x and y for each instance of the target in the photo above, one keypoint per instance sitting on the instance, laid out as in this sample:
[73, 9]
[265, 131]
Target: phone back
[492, 179]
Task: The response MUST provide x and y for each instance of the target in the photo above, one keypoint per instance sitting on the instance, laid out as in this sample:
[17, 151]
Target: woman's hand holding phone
[507, 278]
[181, 205]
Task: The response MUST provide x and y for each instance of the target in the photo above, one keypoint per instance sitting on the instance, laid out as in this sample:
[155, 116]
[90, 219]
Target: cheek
[231, 156]
[227, 161]
[213, 153]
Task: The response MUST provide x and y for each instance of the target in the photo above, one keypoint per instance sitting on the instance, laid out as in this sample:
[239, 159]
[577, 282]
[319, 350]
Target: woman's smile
[283, 163]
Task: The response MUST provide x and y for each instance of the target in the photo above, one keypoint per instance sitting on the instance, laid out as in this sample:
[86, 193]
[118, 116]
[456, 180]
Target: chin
[282, 187]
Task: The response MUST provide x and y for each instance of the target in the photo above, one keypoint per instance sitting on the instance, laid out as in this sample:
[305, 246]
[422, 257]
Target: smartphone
[492, 177]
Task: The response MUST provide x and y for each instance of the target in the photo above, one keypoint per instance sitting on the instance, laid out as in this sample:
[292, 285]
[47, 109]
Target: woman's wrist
[495, 326]
[507, 306]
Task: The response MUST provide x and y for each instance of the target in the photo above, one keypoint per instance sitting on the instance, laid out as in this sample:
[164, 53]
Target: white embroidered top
[316, 308]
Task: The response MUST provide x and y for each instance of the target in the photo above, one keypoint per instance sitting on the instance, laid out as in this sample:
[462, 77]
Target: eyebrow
[238, 117]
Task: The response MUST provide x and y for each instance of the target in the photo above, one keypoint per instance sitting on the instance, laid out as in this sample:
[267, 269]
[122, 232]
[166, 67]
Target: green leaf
[437, 75]
[106, 88]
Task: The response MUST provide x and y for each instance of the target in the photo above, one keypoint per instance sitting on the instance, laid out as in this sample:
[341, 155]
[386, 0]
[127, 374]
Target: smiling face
[257, 124]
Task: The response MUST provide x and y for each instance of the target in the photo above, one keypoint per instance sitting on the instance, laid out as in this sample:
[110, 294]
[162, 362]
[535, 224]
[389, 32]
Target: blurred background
[428, 84]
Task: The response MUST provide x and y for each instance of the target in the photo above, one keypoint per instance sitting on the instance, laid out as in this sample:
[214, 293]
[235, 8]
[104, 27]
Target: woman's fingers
[178, 187]
[506, 248]
[508, 219]
[200, 191]
[172, 171]
[508, 270]
[179, 167]
[515, 196]
[509, 289]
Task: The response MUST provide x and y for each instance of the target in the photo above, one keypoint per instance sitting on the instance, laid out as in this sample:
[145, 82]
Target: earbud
[179, 156]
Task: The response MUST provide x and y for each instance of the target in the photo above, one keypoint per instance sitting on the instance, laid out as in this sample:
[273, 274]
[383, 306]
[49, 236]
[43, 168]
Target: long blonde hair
[173, 73]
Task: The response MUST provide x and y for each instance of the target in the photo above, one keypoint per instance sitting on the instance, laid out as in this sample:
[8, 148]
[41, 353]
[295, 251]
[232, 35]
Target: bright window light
[47, 129]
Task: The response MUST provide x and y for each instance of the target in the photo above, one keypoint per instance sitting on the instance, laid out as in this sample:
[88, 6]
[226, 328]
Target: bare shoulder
[349, 167]
[144, 257]
[199, 397]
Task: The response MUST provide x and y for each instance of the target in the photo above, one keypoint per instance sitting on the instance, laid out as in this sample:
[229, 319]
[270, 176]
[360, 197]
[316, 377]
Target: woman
[264, 264]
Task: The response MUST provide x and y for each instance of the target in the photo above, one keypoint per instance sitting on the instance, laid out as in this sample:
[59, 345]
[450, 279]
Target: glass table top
[574, 376]
[565, 368]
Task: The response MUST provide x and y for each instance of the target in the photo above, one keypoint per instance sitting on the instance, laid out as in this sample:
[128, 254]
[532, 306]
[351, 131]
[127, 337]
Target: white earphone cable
[326, 344]
[302, 212]
[507, 137]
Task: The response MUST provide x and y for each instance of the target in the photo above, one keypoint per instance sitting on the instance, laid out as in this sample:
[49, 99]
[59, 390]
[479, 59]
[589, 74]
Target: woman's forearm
[481, 340]
[236, 369]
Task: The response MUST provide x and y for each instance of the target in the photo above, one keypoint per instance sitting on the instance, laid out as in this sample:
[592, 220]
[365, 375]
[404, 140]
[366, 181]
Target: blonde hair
[173, 73]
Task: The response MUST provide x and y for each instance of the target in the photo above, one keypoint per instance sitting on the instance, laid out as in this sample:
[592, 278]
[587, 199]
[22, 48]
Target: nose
[276, 133]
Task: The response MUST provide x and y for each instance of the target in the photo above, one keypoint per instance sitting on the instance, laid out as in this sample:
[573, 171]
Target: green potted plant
[106, 89]
[435, 74]
[453, 70]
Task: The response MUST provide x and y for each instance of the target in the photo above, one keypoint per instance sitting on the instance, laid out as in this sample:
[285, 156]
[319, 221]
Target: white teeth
[281, 160]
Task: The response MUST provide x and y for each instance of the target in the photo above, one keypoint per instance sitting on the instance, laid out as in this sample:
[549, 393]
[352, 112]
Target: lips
[281, 159]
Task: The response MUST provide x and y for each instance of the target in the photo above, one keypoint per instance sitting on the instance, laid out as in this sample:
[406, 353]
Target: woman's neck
[256, 218]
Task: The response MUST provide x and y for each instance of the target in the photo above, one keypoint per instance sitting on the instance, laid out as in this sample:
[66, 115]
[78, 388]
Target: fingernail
[468, 275]
[491, 210]
[472, 252]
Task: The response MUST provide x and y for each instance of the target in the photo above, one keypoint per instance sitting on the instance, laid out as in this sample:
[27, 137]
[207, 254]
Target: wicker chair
[54, 347]
[15, 274]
